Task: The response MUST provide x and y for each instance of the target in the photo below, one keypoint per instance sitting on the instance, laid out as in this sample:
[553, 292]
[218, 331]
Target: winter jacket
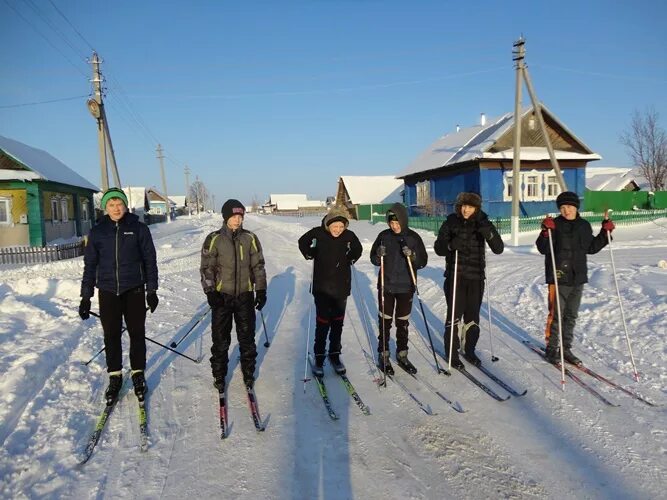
[397, 278]
[572, 240]
[232, 262]
[471, 261]
[332, 259]
[119, 256]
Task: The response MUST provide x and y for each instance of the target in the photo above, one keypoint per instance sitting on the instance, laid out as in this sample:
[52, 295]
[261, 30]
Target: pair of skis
[575, 378]
[484, 387]
[322, 389]
[104, 418]
[252, 406]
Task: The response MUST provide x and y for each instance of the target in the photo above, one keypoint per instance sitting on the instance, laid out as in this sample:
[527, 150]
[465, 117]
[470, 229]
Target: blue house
[479, 159]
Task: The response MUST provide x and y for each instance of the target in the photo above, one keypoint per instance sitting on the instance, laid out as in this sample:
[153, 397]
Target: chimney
[482, 119]
[457, 127]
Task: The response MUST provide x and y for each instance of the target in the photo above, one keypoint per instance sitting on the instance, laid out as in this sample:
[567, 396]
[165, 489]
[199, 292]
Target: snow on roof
[473, 143]
[287, 201]
[369, 189]
[42, 164]
[613, 178]
[135, 197]
[179, 200]
[537, 153]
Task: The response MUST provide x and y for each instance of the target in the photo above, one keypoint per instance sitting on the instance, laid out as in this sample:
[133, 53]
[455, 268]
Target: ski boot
[337, 364]
[139, 382]
[404, 362]
[384, 364]
[318, 367]
[456, 362]
[472, 358]
[115, 383]
[551, 355]
[569, 356]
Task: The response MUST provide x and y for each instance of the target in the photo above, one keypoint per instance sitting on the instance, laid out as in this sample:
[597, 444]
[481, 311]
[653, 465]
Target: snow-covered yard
[547, 444]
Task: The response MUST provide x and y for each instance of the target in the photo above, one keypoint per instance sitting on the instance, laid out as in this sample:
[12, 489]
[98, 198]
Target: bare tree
[198, 195]
[254, 205]
[646, 142]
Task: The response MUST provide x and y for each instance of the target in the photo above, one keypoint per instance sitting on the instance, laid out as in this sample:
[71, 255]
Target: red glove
[549, 223]
[608, 225]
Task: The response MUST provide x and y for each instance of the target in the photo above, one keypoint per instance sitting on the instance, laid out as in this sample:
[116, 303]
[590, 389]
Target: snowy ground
[548, 444]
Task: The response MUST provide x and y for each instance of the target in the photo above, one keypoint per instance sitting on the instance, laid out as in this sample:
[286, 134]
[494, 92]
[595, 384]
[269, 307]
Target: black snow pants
[131, 306]
[400, 306]
[469, 294]
[570, 300]
[242, 310]
[330, 314]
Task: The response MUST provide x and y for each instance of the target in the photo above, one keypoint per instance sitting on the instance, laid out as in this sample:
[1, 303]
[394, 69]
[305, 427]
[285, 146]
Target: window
[5, 211]
[63, 210]
[553, 188]
[423, 193]
[532, 187]
[84, 211]
[54, 210]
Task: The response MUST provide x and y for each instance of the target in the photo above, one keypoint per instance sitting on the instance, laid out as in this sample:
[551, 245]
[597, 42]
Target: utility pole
[96, 107]
[187, 190]
[518, 55]
[213, 207]
[160, 157]
[197, 193]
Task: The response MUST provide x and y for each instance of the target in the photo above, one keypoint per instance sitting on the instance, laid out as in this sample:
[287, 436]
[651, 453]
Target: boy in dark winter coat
[572, 239]
[466, 231]
[119, 259]
[334, 248]
[234, 281]
[395, 246]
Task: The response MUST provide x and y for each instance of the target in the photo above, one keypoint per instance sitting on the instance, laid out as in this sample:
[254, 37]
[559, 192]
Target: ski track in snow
[547, 444]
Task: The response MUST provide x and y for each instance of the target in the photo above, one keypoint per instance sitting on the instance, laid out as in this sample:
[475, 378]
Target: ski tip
[445, 372]
[523, 393]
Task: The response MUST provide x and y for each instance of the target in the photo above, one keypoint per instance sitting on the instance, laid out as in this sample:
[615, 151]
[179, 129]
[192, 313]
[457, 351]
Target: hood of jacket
[335, 214]
[401, 214]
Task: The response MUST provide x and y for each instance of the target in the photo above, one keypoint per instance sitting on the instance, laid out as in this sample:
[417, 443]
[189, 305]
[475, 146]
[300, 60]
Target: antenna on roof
[482, 119]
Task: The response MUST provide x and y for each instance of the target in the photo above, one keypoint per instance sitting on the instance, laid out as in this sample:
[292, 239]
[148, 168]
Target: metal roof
[473, 143]
[368, 189]
[42, 165]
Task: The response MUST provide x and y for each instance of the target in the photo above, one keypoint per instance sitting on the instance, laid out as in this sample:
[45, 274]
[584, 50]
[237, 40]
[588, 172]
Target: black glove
[406, 251]
[381, 251]
[486, 230]
[260, 299]
[456, 243]
[84, 308]
[215, 299]
[152, 300]
[311, 253]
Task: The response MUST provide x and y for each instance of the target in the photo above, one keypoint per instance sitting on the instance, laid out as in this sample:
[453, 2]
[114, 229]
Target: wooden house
[361, 195]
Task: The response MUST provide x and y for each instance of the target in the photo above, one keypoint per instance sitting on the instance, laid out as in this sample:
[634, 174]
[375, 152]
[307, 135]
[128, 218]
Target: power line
[72, 25]
[42, 102]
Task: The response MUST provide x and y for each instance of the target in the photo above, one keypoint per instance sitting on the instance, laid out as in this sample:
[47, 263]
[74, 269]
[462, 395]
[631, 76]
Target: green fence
[599, 201]
[364, 211]
[620, 218]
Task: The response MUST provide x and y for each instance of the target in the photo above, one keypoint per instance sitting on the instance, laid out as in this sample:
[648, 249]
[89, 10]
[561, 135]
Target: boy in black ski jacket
[467, 231]
[119, 259]
[333, 249]
[234, 281]
[395, 246]
[572, 239]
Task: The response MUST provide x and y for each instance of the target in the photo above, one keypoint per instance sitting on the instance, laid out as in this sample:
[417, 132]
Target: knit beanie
[232, 207]
[567, 198]
[111, 193]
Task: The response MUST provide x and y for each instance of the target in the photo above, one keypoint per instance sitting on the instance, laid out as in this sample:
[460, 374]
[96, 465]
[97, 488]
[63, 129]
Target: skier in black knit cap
[234, 281]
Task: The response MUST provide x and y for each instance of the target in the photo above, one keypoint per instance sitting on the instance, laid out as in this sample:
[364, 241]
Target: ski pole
[172, 350]
[103, 348]
[384, 334]
[421, 305]
[488, 306]
[310, 310]
[560, 318]
[176, 344]
[451, 326]
[620, 303]
[266, 335]
[366, 325]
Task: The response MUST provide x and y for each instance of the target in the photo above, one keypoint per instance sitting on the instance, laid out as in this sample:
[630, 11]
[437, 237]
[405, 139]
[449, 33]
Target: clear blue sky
[284, 97]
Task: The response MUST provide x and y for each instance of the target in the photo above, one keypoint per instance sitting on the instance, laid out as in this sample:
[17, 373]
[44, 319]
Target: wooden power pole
[187, 190]
[160, 157]
[518, 56]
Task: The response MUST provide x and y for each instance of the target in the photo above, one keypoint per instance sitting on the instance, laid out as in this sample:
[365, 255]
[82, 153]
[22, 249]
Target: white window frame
[541, 182]
[54, 210]
[423, 193]
[8, 204]
[64, 211]
[548, 185]
[529, 180]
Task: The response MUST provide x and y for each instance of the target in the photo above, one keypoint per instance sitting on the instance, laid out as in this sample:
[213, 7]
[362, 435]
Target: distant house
[479, 159]
[615, 179]
[293, 203]
[361, 195]
[41, 199]
[157, 206]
